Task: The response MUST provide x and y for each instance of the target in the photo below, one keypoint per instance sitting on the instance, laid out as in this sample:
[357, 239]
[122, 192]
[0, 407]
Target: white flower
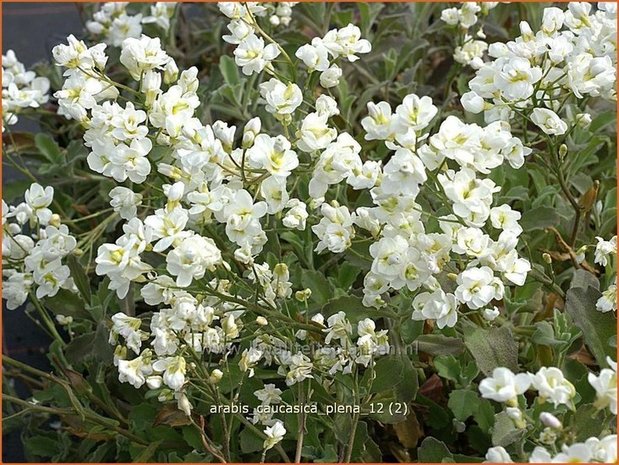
[516, 78]
[335, 230]
[274, 435]
[273, 191]
[239, 31]
[604, 250]
[192, 258]
[477, 287]
[131, 162]
[50, 279]
[403, 174]
[436, 306]
[314, 57]
[345, 42]
[605, 385]
[125, 202]
[167, 227]
[378, 123]
[552, 385]
[498, 454]
[504, 386]
[472, 102]
[548, 121]
[129, 328]
[315, 133]
[174, 369]
[331, 76]
[16, 288]
[490, 314]
[269, 394]
[135, 371]
[38, 199]
[142, 55]
[608, 301]
[591, 75]
[414, 113]
[249, 359]
[299, 368]
[252, 56]
[506, 219]
[296, 217]
[281, 99]
[272, 154]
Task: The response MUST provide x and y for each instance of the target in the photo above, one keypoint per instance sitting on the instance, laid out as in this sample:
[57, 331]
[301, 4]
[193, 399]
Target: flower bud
[490, 314]
[562, 150]
[55, 220]
[262, 321]
[515, 415]
[183, 403]
[472, 102]
[548, 419]
[583, 120]
[216, 376]
[154, 382]
[170, 72]
[547, 258]
[64, 320]
[151, 87]
[304, 295]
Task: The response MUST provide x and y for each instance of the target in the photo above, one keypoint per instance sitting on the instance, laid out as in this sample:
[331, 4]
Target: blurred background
[31, 30]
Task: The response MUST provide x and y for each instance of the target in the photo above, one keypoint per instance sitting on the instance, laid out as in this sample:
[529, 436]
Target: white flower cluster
[33, 248]
[471, 49]
[405, 254]
[321, 53]
[552, 386]
[20, 89]
[113, 24]
[338, 354]
[593, 450]
[549, 382]
[574, 51]
[251, 54]
[605, 255]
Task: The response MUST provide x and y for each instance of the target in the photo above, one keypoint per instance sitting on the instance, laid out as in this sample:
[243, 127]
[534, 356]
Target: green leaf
[539, 218]
[602, 120]
[463, 403]
[346, 275]
[42, 446]
[505, 432]
[584, 279]
[388, 372]
[49, 148]
[318, 283]
[491, 348]
[484, 415]
[90, 346]
[148, 452]
[79, 276]
[250, 441]
[439, 344]
[448, 367]
[589, 422]
[229, 70]
[597, 328]
[433, 451]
